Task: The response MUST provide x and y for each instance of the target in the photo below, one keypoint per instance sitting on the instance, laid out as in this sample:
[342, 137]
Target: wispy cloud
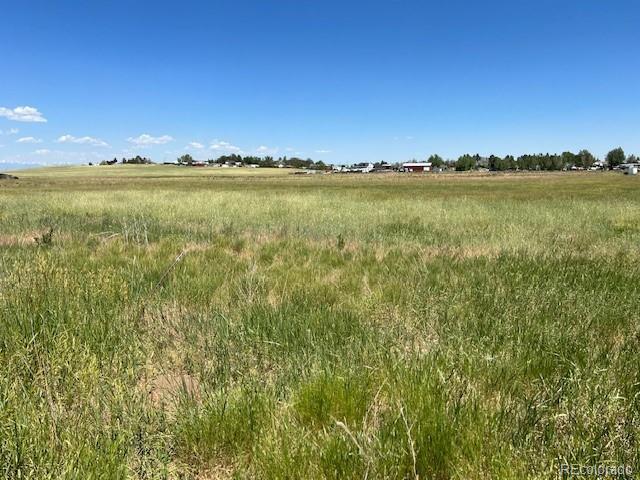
[146, 139]
[196, 145]
[22, 114]
[45, 156]
[221, 146]
[323, 151]
[29, 140]
[263, 150]
[96, 142]
[11, 131]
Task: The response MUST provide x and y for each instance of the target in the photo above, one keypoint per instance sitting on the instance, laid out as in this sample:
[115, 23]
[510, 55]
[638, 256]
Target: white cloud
[29, 140]
[323, 151]
[221, 146]
[42, 151]
[96, 142]
[146, 139]
[22, 114]
[11, 131]
[197, 145]
[263, 149]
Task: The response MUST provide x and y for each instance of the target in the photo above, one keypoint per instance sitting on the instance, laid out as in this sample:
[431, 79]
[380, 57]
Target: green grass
[444, 327]
[119, 170]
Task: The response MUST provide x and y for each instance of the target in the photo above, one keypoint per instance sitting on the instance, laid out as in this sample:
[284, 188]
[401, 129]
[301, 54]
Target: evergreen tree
[436, 160]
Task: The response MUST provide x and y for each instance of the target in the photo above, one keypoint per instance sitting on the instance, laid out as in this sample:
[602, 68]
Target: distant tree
[502, 164]
[495, 163]
[585, 159]
[632, 159]
[466, 162]
[615, 157]
[436, 160]
[556, 162]
[186, 159]
[569, 159]
[538, 162]
[509, 163]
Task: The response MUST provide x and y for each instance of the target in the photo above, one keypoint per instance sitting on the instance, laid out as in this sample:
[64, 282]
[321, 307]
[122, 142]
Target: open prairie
[167, 322]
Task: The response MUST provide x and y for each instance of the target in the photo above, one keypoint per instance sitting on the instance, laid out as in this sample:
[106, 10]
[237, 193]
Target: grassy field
[108, 171]
[159, 322]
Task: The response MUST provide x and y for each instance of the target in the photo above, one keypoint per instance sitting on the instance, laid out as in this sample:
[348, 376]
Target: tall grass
[318, 328]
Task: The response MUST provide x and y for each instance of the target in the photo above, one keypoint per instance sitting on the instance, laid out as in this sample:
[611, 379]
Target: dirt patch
[26, 239]
[18, 239]
[217, 472]
[7, 240]
[164, 389]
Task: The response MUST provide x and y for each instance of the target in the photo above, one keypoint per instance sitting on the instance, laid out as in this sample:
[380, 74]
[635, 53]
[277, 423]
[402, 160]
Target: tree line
[293, 162]
[542, 161]
[137, 160]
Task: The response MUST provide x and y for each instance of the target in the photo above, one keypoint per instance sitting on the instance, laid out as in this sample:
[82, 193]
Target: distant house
[232, 164]
[383, 168]
[361, 168]
[416, 167]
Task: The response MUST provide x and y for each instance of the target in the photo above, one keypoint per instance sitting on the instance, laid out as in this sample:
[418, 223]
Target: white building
[362, 168]
[415, 167]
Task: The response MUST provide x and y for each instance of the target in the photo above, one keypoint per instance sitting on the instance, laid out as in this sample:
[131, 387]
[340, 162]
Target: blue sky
[342, 81]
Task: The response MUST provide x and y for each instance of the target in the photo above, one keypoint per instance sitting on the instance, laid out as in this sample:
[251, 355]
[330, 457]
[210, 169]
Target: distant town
[616, 159]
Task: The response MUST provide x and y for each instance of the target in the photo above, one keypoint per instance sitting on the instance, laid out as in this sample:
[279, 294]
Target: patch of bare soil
[164, 389]
[18, 240]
